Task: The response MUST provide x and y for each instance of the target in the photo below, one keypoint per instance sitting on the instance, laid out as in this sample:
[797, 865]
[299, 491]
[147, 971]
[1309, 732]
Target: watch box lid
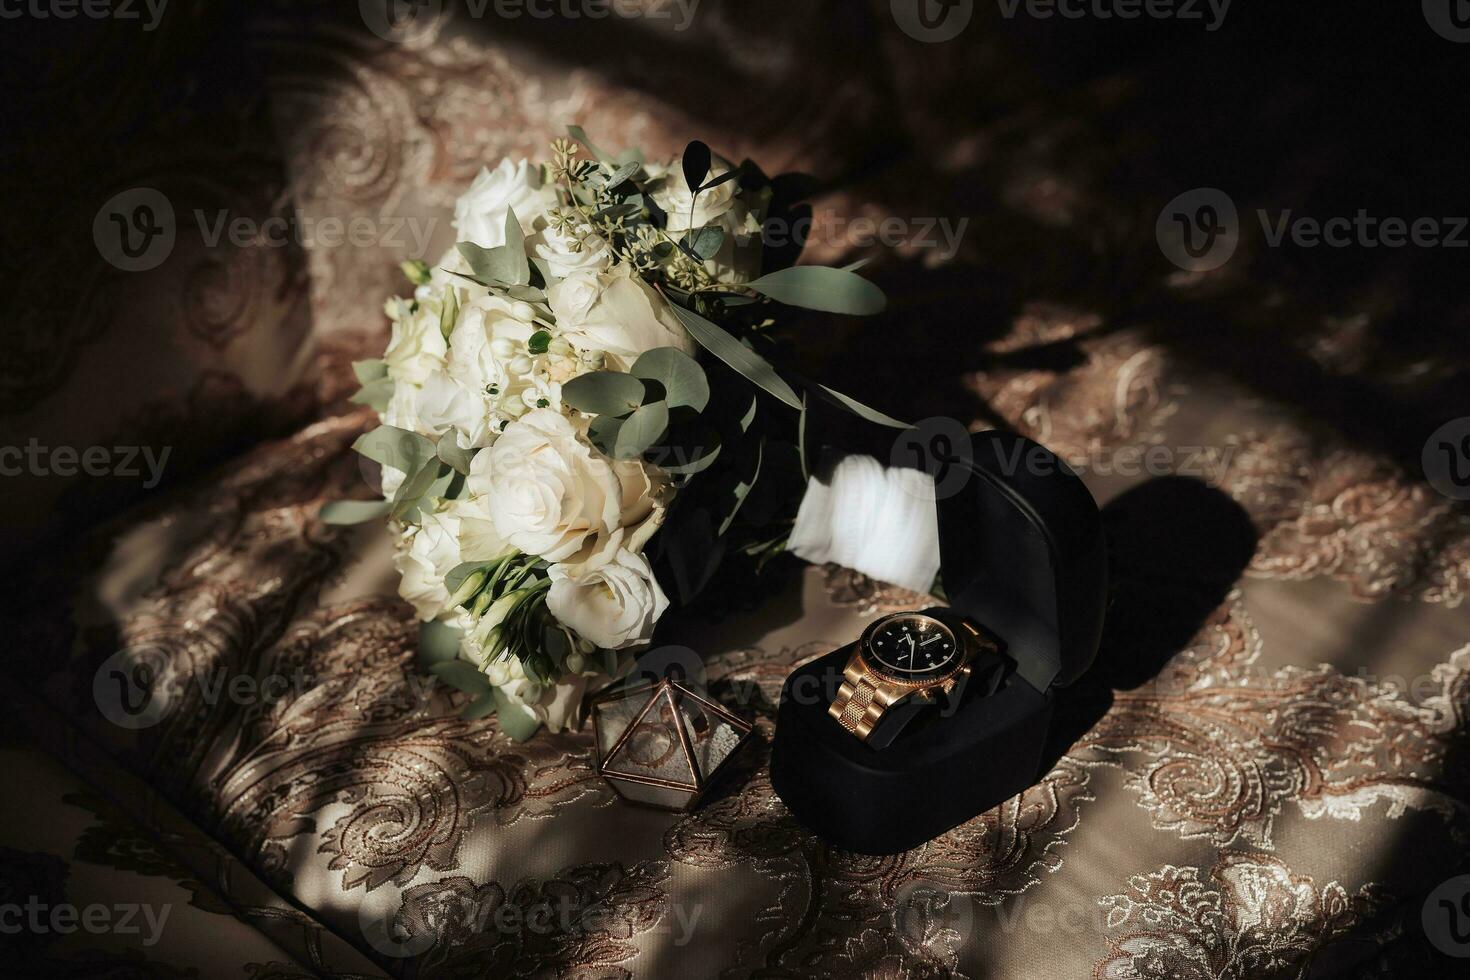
[1020, 536]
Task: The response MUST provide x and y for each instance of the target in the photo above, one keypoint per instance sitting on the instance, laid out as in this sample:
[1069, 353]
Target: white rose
[478, 538]
[425, 555]
[646, 496]
[445, 406]
[613, 603]
[724, 207]
[616, 313]
[551, 494]
[416, 348]
[479, 215]
[565, 255]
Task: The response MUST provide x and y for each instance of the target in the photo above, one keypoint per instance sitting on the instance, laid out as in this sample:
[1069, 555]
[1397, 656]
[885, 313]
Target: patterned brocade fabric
[1265, 775]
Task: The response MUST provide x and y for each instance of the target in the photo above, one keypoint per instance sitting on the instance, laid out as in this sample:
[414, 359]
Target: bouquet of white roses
[552, 445]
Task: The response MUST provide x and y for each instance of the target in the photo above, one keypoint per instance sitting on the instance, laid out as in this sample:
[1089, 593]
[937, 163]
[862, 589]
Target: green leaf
[369, 371]
[375, 394]
[817, 287]
[748, 418]
[696, 163]
[722, 178]
[461, 676]
[603, 433]
[859, 409]
[539, 342]
[414, 489]
[604, 393]
[496, 266]
[742, 489]
[399, 448]
[438, 643]
[641, 431]
[515, 246]
[353, 511]
[514, 719]
[449, 313]
[680, 375]
[696, 460]
[621, 174]
[481, 707]
[458, 459]
[580, 136]
[705, 242]
[755, 368]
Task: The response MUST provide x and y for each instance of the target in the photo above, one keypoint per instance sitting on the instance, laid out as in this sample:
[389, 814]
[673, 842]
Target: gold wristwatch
[903, 655]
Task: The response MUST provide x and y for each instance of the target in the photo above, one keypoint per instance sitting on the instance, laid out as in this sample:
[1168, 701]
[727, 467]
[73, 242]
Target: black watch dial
[912, 647]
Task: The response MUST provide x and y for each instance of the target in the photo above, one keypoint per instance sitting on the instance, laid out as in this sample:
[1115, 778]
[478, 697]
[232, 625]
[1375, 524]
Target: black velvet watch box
[1022, 555]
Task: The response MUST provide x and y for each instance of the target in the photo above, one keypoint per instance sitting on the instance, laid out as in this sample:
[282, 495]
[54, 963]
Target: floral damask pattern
[1251, 916]
[1328, 510]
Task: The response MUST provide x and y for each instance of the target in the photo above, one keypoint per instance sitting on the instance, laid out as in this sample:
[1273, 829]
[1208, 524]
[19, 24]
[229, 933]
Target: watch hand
[931, 639]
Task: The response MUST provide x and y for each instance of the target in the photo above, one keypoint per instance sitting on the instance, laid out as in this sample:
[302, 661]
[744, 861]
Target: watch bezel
[875, 667]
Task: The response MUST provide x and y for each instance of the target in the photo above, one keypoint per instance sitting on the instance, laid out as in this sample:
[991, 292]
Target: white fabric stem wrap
[872, 518]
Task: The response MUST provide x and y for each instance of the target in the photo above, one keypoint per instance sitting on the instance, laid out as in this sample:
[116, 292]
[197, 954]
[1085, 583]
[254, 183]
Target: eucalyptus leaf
[683, 380]
[414, 489]
[701, 458]
[515, 246]
[462, 676]
[755, 368]
[818, 287]
[722, 178]
[375, 394]
[515, 719]
[641, 431]
[456, 457]
[696, 163]
[482, 707]
[705, 242]
[496, 266]
[622, 173]
[859, 409]
[748, 418]
[578, 134]
[742, 489]
[353, 511]
[603, 433]
[612, 393]
[369, 371]
[399, 448]
[438, 642]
